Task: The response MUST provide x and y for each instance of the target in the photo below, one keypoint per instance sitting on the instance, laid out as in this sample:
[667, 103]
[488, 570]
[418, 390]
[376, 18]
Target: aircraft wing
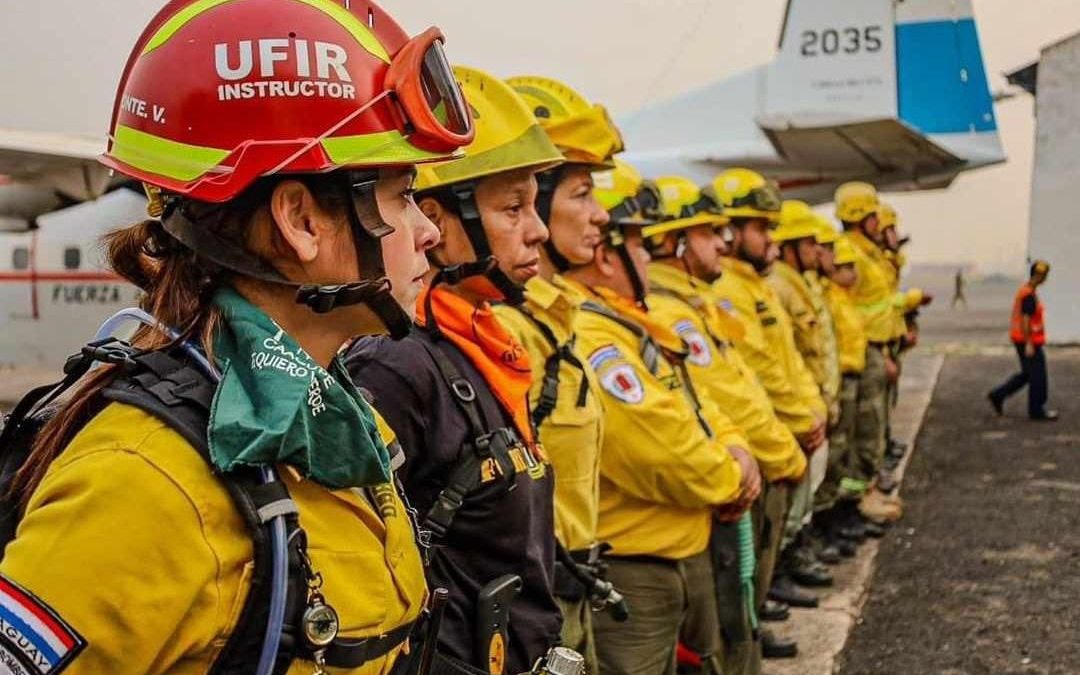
[878, 147]
[66, 163]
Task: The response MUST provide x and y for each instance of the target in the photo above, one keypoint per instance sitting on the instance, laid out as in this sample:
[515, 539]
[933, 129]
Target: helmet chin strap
[546, 183]
[617, 241]
[474, 230]
[368, 228]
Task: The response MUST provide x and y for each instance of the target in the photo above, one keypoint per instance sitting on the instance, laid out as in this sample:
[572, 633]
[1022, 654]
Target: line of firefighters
[709, 372]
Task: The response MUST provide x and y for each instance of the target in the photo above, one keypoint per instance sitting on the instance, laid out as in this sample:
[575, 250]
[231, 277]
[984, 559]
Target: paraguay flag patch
[700, 354]
[616, 376]
[34, 640]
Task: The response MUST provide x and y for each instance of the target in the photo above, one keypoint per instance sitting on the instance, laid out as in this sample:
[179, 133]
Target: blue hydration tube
[272, 639]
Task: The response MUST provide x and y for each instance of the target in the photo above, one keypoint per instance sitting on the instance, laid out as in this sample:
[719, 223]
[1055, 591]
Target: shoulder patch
[699, 352]
[616, 375]
[603, 355]
[33, 639]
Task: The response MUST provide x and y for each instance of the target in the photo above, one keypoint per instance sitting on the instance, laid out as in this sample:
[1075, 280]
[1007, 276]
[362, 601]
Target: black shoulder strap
[648, 350]
[549, 391]
[721, 343]
[489, 447]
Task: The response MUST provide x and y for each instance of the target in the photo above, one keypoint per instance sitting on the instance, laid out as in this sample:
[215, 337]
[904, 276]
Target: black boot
[896, 449]
[773, 647]
[774, 610]
[824, 547]
[784, 590]
[803, 566]
[849, 523]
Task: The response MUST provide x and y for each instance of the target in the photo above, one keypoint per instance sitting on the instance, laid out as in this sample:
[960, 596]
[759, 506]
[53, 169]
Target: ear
[434, 211]
[293, 210]
[604, 260]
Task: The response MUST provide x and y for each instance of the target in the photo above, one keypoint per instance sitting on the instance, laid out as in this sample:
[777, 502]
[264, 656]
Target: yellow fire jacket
[768, 346]
[661, 475]
[799, 302]
[851, 337]
[686, 305]
[903, 301]
[831, 358]
[874, 293]
[137, 547]
[573, 431]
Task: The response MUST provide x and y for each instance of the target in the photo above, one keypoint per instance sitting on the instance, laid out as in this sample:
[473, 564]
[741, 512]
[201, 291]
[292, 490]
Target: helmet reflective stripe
[349, 22]
[163, 157]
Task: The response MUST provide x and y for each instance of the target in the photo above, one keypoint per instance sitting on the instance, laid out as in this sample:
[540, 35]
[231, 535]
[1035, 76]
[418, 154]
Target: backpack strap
[648, 350]
[30, 415]
[488, 451]
[549, 390]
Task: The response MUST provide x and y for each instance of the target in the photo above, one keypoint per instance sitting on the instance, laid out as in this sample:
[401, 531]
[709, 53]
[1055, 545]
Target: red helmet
[218, 93]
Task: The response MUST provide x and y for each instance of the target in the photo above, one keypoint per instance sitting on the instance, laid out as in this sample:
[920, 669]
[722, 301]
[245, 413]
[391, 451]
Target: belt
[588, 556]
[647, 559]
[352, 653]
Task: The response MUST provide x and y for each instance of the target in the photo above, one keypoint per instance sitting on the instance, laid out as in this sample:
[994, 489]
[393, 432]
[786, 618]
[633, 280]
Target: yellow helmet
[826, 233]
[887, 216]
[743, 193]
[843, 252]
[507, 135]
[797, 221]
[582, 131]
[855, 201]
[683, 206]
[627, 197]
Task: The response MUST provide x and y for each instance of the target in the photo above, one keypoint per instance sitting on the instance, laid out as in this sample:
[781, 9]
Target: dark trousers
[1033, 375]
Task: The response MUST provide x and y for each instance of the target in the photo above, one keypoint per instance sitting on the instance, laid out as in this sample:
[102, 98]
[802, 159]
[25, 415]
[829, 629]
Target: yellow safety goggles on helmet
[581, 130]
[684, 206]
[628, 198]
[745, 194]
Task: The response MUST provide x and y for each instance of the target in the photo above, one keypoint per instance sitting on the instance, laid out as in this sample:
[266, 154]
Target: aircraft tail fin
[917, 61]
[941, 79]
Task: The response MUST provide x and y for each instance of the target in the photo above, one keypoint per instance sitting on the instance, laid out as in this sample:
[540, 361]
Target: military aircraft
[893, 92]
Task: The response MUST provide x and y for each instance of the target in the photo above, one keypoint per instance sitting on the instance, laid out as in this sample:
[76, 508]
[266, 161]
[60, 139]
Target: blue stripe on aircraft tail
[931, 60]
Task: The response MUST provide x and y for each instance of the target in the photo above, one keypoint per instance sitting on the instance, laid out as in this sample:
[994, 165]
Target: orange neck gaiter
[500, 358]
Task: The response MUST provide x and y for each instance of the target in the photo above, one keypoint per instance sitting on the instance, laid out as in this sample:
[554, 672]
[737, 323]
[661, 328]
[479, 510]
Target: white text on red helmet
[271, 51]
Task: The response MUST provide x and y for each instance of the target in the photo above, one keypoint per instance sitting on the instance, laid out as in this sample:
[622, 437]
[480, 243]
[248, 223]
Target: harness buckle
[463, 389]
[109, 350]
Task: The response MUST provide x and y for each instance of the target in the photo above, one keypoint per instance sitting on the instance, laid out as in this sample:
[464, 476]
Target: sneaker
[997, 404]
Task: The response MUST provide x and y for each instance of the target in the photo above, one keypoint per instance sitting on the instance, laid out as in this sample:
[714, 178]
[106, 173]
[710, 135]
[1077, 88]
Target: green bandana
[276, 405]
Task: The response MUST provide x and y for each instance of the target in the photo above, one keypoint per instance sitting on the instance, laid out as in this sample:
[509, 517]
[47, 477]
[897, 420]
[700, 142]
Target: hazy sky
[61, 59]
